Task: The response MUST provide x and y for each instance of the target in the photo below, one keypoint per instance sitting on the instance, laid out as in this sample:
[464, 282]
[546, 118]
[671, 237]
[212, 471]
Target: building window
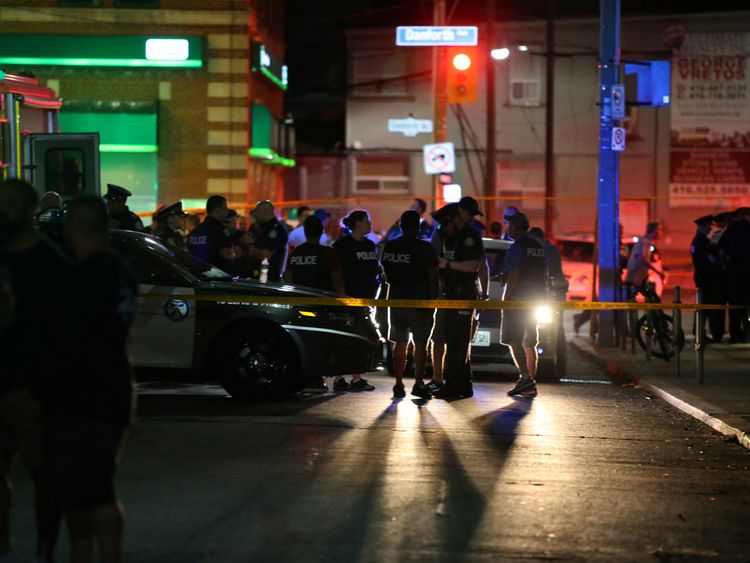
[383, 173]
[79, 3]
[380, 73]
[136, 3]
[525, 79]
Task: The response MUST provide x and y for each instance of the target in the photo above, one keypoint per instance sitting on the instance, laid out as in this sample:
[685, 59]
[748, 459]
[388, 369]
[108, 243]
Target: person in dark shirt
[359, 262]
[459, 268]
[410, 266]
[313, 264]
[120, 216]
[33, 277]
[93, 400]
[208, 241]
[734, 246]
[269, 240]
[526, 269]
[425, 230]
[707, 272]
[171, 221]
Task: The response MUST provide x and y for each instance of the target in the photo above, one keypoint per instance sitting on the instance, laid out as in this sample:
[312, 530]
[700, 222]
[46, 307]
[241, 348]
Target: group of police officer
[720, 252]
[416, 260]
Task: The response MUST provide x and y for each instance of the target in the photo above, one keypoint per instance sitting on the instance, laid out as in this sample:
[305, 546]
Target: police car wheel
[255, 364]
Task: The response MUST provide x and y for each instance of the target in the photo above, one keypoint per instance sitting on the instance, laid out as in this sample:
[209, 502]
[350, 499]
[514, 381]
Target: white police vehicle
[256, 350]
[486, 346]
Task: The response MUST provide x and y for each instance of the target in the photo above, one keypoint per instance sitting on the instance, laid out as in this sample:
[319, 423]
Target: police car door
[163, 331]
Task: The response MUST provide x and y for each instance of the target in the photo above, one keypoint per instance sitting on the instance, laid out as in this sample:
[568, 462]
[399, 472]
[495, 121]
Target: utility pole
[489, 189]
[549, 124]
[440, 95]
[608, 190]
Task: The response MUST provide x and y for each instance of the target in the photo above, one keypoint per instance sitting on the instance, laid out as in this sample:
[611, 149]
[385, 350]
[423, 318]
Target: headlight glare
[543, 314]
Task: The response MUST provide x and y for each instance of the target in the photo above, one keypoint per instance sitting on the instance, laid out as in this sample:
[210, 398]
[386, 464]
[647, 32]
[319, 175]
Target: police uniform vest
[273, 236]
[705, 259]
[465, 245]
[407, 261]
[359, 261]
[308, 266]
[533, 268]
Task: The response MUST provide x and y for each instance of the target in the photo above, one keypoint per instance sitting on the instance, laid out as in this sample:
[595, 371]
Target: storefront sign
[710, 121]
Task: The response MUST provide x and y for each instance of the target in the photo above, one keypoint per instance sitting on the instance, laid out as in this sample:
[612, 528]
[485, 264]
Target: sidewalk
[722, 401]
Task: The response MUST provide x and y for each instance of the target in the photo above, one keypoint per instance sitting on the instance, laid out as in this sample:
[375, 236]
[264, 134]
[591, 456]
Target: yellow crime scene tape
[431, 303]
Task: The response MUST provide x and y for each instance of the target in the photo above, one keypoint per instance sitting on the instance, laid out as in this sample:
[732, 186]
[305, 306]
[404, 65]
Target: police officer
[460, 265]
[269, 241]
[359, 261]
[208, 241]
[410, 266]
[314, 264]
[171, 220]
[734, 247]
[526, 270]
[120, 216]
[707, 271]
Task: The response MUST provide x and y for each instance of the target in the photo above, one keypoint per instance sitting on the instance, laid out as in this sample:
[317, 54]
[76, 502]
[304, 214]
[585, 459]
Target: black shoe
[340, 386]
[361, 385]
[434, 386]
[422, 391]
[446, 392]
[314, 387]
[398, 391]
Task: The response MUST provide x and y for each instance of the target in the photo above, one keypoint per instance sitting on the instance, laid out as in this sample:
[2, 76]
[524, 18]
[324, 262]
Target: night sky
[316, 45]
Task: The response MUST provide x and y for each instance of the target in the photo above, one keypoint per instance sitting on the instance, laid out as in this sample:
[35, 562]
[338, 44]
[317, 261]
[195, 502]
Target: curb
[726, 429]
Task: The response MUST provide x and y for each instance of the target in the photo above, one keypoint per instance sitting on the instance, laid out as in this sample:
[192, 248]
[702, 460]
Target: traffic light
[463, 75]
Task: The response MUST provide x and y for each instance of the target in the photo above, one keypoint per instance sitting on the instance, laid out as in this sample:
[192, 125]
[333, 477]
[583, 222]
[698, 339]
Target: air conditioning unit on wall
[525, 92]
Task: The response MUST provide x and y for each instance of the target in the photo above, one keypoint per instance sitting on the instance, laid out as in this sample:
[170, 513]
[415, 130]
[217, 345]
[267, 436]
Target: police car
[486, 346]
[256, 350]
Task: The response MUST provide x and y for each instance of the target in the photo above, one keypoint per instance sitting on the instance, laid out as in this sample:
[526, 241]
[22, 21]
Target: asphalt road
[589, 470]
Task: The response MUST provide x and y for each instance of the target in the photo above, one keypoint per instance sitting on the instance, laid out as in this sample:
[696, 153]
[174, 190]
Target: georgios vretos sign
[710, 116]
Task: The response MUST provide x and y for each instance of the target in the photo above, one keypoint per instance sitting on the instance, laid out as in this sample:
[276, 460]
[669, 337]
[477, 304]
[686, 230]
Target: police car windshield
[197, 267]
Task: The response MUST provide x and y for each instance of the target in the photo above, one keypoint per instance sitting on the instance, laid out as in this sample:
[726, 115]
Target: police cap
[705, 220]
[471, 205]
[115, 193]
[167, 210]
[445, 213]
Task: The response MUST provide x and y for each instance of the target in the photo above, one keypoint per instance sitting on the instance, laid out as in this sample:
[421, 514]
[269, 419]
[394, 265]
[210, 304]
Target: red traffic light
[461, 61]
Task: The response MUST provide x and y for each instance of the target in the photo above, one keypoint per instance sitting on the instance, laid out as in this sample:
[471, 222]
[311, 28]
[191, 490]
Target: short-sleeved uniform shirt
[360, 266]
[172, 237]
[37, 278]
[207, 239]
[527, 257]
[97, 384]
[705, 258]
[735, 245]
[311, 265]
[465, 245]
[273, 236]
[407, 262]
[127, 220]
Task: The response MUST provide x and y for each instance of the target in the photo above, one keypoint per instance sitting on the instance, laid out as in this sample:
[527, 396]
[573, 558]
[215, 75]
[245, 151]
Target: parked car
[486, 346]
[256, 350]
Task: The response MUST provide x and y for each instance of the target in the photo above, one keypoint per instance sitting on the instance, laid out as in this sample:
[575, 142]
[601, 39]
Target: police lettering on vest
[407, 261]
[311, 264]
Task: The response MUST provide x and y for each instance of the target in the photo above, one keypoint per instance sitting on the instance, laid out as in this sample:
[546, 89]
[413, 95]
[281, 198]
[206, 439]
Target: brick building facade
[167, 133]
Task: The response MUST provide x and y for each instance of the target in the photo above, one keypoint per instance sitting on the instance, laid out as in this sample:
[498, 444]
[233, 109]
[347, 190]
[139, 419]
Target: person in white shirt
[297, 236]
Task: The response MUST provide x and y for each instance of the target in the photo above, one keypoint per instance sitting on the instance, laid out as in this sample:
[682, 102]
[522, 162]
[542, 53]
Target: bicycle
[658, 325]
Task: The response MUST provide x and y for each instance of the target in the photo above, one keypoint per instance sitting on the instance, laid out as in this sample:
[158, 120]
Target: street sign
[431, 36]
[410, 126]
[618, 101]
[439, 158]
[618, 138]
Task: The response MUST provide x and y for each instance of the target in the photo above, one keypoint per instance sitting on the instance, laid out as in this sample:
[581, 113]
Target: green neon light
[128, 148]
[269, 156]
[91, 61]
[273, 78]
